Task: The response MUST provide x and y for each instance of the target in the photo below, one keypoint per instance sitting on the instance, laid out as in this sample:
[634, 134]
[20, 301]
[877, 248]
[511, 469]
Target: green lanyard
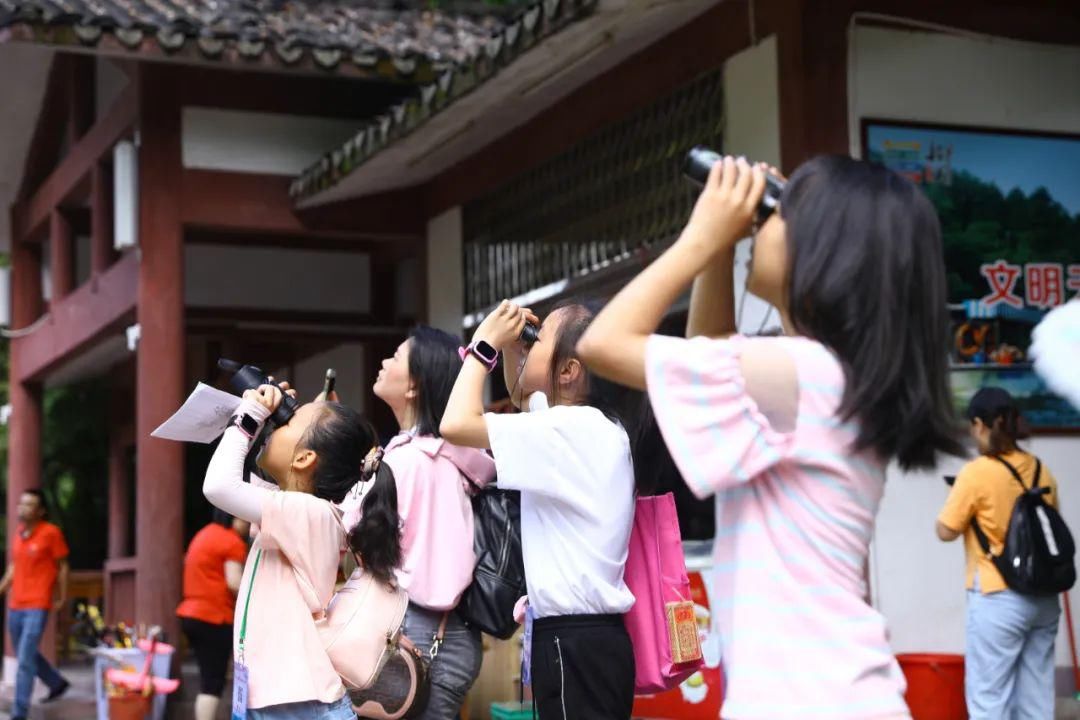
[247, 605]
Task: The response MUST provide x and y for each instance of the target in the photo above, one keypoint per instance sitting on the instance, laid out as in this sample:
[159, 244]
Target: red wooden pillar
[159, 383]
[61, 255]
[119, 545]
[24, 427]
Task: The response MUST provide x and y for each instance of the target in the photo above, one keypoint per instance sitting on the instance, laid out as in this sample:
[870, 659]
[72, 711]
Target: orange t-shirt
[985, 490]
[206, 594]
[36, 561]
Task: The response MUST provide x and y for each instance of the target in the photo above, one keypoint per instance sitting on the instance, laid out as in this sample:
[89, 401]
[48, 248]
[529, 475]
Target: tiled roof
[396, 39]
[540, 19]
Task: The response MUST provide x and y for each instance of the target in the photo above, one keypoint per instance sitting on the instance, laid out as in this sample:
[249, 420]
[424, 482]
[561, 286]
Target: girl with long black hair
[793, 434]
[434, 481]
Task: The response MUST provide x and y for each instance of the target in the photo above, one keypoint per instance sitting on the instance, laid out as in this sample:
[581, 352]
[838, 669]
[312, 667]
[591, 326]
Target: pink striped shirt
[795, 515]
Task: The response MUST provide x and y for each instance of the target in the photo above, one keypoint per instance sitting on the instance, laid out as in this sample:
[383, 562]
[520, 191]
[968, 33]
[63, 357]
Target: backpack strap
[1015, 474]
[984, 542]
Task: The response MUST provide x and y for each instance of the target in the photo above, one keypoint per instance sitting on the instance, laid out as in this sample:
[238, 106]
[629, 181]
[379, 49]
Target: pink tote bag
[661, 623]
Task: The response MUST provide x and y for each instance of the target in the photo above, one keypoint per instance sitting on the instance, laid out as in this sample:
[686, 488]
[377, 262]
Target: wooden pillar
[61, 255]
[25, 426]
[101, 218]
[812, 42]
[159, 383]
[120, 439]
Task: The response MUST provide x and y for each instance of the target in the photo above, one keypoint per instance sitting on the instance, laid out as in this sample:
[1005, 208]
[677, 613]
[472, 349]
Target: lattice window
[613, 194]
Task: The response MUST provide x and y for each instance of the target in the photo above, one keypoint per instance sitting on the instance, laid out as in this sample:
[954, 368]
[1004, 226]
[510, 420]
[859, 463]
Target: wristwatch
[482, 351]
[247, 424]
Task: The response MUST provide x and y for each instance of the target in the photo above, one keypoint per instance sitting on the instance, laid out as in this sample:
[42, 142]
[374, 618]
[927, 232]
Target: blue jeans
[455, 668]
[1009, 664]
[26, 628]
[312, 710]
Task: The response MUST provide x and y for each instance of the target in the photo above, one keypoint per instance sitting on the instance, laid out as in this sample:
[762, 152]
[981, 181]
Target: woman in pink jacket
[434, 482]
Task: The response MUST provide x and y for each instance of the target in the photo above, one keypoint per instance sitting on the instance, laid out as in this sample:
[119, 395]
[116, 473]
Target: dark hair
[221, 517]
[40, 495]
[377, 537]
[867, 280]
[997, 410]
[434, 365]
[342, 438]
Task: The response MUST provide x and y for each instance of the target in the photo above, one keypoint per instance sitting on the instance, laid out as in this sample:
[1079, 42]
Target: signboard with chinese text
[1009, 205]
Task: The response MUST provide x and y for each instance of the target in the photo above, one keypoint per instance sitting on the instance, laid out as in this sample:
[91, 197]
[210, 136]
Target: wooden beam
[251, 202]
[330, 96]
[47, 143]
[81, 91]
[72, 174]
[225, 316]
[98, 307]
[397, 249]
[61, 256]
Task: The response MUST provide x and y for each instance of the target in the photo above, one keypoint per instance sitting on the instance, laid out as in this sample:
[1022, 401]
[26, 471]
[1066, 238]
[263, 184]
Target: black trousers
[582, 668]
[213, 648]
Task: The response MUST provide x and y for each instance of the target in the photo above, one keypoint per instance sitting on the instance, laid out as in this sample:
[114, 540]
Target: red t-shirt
[36, 561]
[206, 594]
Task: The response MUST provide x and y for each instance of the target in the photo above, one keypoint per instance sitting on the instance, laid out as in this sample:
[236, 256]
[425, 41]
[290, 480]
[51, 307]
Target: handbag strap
[437, 638]
[247, 606]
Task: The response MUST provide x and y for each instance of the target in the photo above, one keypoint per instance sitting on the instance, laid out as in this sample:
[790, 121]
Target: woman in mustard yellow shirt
[1009, 660]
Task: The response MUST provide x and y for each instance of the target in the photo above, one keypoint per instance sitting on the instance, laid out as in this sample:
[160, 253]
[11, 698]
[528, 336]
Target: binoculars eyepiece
[530, 334]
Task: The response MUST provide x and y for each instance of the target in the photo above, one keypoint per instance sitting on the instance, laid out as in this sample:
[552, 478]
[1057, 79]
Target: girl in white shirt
[571, 462]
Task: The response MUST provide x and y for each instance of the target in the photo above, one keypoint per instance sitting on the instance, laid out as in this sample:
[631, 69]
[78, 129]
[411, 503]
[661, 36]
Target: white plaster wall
[752, 128]
[352, 380]
[446, 277]
[258, 142]
[918, 581]
[277, 278]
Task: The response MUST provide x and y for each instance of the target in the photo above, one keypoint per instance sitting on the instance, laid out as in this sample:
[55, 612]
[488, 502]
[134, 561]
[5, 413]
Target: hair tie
[372, 461]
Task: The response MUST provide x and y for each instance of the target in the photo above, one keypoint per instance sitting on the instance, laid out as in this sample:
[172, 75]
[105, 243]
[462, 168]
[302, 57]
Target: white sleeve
[224, 484]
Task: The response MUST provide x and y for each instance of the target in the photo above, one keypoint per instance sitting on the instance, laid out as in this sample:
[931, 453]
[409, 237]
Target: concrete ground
[78, 703]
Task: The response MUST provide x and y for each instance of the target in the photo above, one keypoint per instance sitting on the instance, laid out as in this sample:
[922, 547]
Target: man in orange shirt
[37, 580]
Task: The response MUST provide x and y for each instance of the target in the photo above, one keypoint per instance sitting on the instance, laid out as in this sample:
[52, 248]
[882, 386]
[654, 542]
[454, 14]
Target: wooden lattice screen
[613, 194]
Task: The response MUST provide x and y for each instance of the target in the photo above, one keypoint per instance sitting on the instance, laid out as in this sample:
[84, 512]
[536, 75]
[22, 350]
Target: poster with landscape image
[1009, 204]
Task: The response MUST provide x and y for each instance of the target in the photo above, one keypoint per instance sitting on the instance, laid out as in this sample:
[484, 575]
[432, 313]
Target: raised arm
[224, 484]
[463, 420]
[614, 344]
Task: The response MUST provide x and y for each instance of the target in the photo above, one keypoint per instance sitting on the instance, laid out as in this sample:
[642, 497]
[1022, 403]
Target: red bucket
[935, 686]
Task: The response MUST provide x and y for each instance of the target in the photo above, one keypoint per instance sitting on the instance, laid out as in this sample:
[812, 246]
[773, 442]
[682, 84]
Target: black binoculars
[249, 377]
[700, 160]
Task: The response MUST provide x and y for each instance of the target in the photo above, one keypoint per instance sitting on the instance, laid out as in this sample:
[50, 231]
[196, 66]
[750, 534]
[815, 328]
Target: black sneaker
[56, 693]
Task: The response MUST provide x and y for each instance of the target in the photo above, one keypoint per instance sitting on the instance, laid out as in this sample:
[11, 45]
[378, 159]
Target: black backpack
[1037, 558]
[499, 579]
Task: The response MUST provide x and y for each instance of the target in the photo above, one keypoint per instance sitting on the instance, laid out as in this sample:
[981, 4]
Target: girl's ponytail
[377, 537]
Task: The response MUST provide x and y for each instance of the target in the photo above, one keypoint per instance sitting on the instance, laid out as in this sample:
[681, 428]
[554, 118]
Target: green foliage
[74, 449]
[980, 225]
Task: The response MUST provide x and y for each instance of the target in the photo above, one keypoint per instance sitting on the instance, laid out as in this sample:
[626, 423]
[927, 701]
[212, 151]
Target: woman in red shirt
[213, 567]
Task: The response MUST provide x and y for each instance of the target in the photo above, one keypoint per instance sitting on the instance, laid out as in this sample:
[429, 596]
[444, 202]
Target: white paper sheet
[202, 418]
